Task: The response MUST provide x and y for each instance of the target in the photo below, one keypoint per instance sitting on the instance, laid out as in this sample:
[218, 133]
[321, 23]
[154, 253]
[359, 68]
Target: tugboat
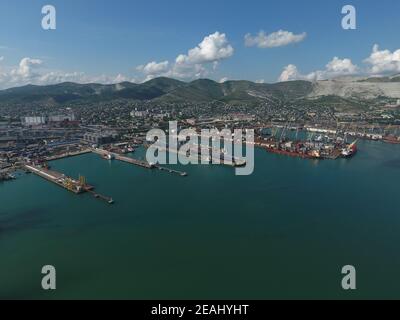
[108, 156]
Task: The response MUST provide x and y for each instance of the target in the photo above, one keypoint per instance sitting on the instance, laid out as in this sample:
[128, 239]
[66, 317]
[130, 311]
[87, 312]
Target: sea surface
[284, 232]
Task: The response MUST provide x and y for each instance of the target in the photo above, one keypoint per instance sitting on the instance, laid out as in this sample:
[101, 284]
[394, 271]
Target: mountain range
[166, 90]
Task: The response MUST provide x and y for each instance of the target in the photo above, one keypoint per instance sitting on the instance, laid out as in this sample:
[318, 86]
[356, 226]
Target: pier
[143, 164]
[112, 155]
[68, 155]
[208, 157]
[182, 174]
[74, 186]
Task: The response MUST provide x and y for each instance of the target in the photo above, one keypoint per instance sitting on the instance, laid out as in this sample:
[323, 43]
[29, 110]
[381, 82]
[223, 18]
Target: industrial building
[100, 138]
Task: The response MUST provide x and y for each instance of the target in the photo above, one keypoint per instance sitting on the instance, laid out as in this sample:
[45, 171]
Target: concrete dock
[74, 186]
[143, 164]
[68, 155]
[119, 157]
[223, 160]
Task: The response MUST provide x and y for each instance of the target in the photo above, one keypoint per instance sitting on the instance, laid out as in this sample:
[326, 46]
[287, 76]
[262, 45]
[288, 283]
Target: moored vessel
[391, 139]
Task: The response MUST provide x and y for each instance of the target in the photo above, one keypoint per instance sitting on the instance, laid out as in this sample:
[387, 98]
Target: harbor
[274, 214]
[295, 142]
[78, 186]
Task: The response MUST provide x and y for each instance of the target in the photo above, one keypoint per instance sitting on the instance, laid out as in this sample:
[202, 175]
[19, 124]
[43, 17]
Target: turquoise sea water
[284, 232]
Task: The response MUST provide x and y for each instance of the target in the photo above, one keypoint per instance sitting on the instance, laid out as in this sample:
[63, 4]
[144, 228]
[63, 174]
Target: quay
[223, 159]
[143, 164]
[112, 155]
[68, 155]
[74, 186]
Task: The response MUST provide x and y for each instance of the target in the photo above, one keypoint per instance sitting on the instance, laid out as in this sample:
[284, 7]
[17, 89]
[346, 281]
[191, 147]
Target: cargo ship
[392, 139]
[350, 150]
[311, 150]
[295, 153]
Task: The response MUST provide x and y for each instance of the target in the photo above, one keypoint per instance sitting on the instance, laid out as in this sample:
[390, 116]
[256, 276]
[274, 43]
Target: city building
[99, 138]
[34, 120]
[62, 117]
[139, 114]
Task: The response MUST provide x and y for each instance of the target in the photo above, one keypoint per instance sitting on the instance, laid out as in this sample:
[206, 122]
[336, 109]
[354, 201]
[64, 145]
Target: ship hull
[392, 141]
[291, 154]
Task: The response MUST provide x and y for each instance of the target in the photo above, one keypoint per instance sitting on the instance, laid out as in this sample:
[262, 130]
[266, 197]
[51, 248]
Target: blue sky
[98, 40]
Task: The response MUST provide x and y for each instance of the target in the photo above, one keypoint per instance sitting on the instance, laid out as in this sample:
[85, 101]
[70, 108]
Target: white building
[34, 121]
[62, 117]
[139, 114]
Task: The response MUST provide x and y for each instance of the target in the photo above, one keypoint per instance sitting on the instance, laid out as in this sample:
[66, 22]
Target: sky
[259, 40]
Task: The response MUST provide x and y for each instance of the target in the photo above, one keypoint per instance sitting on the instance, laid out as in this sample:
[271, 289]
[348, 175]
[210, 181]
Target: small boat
[108, 156]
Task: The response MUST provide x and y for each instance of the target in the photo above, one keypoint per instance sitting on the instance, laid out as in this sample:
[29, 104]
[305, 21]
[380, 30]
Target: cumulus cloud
[380, 62]
[289, 73]
[194, 64]
[335, 68]
[26, 69]
[341, 67]
[276, 39]
[213, 48]
[26, 72]
[154, 68]
[31, 71]
[1, 58]
[383, 61]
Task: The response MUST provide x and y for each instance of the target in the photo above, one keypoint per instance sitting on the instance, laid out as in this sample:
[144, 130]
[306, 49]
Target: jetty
[105, 154]
[68, 183]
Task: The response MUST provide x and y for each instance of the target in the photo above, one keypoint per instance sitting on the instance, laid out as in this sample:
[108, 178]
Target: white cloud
[194, 64]
[276, 39]
[213, 48]
[31, 71]
[341, 67]
[380, 62]
[154, 68]
[290, 72]
[1, 58]
[26, 69]
[335, 68]
[224, 79]
[26, 72]
[383, 61]
[188, 71]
